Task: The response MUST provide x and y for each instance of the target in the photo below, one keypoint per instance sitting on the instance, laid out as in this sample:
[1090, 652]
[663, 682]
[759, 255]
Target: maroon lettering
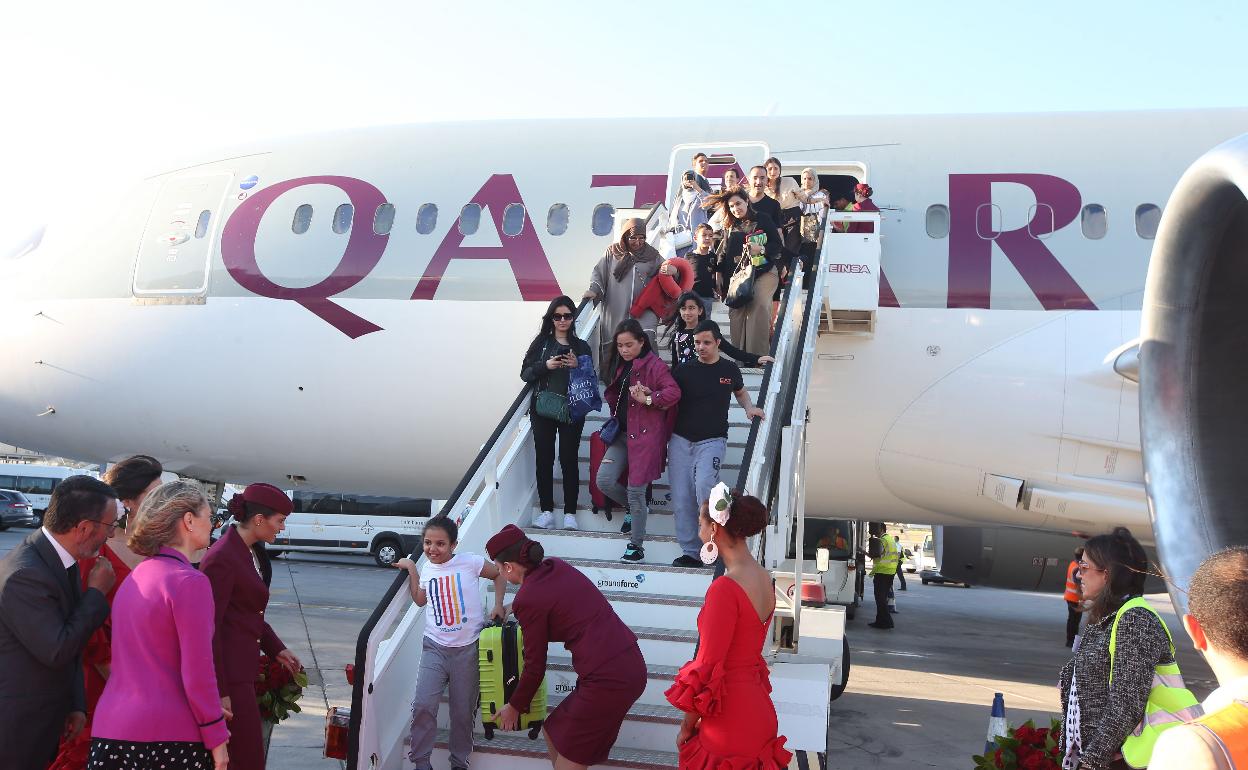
[522, 252]
[842, 267]
[363, 251]
[970, 255]
[648, 188]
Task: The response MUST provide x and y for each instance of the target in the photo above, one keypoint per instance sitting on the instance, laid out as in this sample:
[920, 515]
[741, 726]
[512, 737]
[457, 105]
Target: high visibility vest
[1229, 729]
[1072, 588]
[889, 557]
[1170, 703]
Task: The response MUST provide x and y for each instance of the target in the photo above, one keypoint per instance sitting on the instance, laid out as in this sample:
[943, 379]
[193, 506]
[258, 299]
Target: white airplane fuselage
[361, 356]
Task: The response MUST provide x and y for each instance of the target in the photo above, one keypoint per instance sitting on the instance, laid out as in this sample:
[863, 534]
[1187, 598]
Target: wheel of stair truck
[386, 551]
[839, 689]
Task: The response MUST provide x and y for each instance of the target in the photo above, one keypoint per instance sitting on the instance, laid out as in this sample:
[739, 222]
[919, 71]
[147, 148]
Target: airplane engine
[1194, 365]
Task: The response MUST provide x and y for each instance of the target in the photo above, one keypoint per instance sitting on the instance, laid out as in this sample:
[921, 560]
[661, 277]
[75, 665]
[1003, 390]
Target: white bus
[37, 481]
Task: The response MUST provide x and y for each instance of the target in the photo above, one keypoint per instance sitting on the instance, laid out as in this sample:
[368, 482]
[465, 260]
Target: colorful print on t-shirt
[453, 610]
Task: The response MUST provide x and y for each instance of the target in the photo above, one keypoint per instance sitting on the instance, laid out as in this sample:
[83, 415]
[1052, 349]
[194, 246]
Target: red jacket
[649, 427]
[241, 597]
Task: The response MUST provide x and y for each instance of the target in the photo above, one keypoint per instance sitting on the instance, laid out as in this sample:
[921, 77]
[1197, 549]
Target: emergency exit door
[182, 229]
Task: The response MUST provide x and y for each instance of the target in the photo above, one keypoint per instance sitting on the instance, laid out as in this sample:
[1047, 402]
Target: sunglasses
[1083, 565]
[118, 525]
[561, 316]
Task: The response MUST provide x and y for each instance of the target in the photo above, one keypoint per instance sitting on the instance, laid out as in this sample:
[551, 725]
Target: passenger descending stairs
[658, 601]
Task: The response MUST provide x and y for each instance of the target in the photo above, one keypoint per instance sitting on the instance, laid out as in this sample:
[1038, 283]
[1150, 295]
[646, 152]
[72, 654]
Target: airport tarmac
[918, 696]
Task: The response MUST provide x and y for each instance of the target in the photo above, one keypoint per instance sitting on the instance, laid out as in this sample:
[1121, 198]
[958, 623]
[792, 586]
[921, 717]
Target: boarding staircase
[658, 601]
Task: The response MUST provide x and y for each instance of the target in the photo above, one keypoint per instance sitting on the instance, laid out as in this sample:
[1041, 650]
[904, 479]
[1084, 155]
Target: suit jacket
[45, 621]
[241, 596]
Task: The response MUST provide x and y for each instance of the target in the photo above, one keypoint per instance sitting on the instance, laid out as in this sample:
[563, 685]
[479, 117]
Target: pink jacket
[649, 427]
[163, 685]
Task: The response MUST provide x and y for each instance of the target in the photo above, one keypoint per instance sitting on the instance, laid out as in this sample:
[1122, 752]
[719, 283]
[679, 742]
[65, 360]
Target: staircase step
[590, 544]
[660, 521]
[641, 609]
[561, 679]
[644, 577]
[516, 750]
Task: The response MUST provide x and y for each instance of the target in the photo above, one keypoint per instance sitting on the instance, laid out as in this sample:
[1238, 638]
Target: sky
[94, 91]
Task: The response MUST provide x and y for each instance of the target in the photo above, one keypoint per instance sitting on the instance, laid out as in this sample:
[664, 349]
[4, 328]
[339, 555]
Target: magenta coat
[649, 427]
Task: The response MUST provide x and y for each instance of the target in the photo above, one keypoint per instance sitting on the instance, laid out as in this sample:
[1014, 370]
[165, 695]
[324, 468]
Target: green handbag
[553, 406]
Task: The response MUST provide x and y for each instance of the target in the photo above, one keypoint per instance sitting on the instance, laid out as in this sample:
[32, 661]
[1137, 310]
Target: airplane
[347, 311]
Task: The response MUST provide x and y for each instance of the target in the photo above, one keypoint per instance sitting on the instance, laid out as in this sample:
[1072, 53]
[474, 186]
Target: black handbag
[741, 285]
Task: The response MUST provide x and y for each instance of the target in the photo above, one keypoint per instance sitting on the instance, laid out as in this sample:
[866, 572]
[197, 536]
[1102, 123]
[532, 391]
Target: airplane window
[342, 218]
[557, 219]
[383, 220]
[1094, 221]
[201, 226]
[469, 219]
[937, 221]
[603, 219]
[426, 218]
[1147, 217]
[992, 220]
[1040, 221]
[303, 219]
[513, 219]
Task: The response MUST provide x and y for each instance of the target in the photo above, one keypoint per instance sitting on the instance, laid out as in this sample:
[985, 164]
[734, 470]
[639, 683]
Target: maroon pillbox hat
[505, 538]
[269, 496]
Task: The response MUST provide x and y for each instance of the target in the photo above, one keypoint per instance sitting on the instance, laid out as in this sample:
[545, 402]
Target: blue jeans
[692, 470]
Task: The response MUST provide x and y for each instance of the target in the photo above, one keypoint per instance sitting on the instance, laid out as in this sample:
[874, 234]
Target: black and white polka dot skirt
[107, 754]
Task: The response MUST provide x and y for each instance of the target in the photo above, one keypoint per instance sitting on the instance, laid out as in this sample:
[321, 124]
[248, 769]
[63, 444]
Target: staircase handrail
[388, 611]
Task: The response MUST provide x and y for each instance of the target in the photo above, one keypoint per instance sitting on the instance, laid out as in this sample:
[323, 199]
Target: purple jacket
[649, 427]
[163, 685]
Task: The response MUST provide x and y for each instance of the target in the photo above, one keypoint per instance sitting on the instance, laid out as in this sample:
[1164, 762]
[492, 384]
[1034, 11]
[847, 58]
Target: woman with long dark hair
[1106, 684]
[640, 395]
[557, 603]
[750, 239]
[552, 354]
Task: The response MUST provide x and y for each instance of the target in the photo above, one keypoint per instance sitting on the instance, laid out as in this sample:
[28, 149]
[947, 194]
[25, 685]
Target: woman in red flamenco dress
[725, 691]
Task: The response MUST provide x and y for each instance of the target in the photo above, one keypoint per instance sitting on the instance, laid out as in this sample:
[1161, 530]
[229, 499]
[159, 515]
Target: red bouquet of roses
[278, 690]
[1025, 747]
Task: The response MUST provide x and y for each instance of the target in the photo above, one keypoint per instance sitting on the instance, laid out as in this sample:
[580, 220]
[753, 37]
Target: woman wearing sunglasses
[132, 479]
[550, 357]
[618, 279]
[1106, 684]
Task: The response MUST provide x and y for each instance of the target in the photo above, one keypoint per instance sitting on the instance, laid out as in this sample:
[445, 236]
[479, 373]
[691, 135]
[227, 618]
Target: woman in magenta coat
[641, 395]
[239, 572]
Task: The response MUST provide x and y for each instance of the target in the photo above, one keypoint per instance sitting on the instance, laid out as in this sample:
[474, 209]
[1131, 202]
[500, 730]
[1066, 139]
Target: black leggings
[544, 432]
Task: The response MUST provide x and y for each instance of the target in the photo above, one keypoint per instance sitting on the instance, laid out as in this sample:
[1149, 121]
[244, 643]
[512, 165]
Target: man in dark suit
[46, 619]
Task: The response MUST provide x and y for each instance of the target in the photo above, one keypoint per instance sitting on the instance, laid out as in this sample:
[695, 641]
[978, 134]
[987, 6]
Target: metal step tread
[653, 670]
[665, 634]
[736, 418]
[722, 466]
[640, 712]
[596, 533]
[519, 745]
[605, 564]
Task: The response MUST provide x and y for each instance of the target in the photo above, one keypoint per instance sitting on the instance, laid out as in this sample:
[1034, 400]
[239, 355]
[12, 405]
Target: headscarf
[625, 259]
[812, 173]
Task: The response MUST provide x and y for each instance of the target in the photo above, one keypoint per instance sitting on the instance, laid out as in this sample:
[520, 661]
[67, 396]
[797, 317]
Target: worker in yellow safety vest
[1073, 597]
[883, 568]
[1218, 624]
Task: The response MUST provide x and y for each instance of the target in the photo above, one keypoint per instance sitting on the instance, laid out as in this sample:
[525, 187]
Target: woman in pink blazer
[239, 572]
[160, 707]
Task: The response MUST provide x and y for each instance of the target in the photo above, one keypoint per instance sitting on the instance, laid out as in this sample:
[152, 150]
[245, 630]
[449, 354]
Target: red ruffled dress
[729, 687]
[72, 755]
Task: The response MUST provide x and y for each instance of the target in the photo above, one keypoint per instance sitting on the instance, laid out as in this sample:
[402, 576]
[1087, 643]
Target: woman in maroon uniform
[239, 571]
[556, 603]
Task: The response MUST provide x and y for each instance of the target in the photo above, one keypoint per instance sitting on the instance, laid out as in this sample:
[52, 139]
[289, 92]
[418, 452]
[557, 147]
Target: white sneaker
[544, 520]
[569, 521]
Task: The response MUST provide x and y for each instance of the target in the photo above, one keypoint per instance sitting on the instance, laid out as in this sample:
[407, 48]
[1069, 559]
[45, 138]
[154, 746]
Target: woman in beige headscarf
[617, 280]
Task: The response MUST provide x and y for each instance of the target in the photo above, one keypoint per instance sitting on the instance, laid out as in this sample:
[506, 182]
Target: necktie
[75, 589]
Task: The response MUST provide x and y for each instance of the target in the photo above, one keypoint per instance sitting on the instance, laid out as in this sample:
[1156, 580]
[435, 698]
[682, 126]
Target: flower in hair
[720, 503]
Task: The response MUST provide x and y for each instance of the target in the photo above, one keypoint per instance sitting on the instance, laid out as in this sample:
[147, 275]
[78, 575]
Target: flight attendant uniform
[241, 593]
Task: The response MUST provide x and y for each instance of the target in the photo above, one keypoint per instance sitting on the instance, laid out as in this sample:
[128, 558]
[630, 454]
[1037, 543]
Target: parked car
[16, 510]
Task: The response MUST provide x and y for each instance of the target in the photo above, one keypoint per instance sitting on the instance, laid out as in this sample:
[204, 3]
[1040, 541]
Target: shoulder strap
[1132, 603]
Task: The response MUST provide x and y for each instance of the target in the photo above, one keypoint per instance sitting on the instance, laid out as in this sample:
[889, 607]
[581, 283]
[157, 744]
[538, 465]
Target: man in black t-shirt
[759, 199]
[700, 438]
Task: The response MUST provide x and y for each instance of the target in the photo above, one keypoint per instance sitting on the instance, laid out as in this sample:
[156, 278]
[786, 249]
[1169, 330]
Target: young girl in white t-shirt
[454, 617]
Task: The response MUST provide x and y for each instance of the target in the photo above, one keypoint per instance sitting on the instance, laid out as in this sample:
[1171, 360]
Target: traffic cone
[997, 728]
[892, 601]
